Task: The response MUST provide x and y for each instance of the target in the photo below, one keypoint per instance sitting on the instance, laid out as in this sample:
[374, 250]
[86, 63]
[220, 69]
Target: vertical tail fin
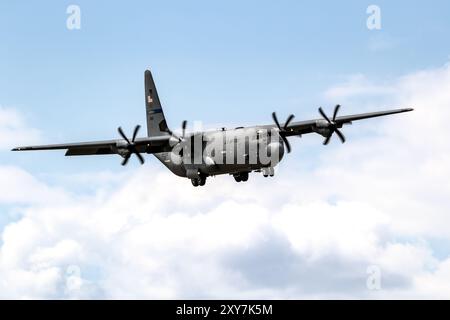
[156, 122]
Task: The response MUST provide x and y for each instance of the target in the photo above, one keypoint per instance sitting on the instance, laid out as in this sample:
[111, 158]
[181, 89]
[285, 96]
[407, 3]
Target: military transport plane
[199, 155]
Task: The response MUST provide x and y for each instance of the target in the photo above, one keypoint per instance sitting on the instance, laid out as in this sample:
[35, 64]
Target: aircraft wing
[303, 127]
[101, 147]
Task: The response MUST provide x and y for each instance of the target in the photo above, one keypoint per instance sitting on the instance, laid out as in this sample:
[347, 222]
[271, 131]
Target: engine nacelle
[322, 128]
[275, 152]
[122, 150]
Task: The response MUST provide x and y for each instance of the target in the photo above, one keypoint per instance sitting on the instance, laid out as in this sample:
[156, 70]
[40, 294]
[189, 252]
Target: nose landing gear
[270, 171]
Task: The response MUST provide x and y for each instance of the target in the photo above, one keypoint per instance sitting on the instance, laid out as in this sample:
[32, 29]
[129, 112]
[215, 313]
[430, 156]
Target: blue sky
[221, 62]
[230, 62]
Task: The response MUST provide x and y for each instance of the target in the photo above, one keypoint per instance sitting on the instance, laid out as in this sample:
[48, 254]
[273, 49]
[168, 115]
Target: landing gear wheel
[269, 171]
[200, 181]
[241, 177]
[195, 182]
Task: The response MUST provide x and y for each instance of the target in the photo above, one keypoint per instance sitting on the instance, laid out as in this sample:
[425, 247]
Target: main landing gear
[242, 176]
[200, 181]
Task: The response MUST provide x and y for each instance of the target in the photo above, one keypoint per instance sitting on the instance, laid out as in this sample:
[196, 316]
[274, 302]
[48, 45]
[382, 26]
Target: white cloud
[358, 85]
[404, 167]
[13, 129]
[377, 200]
[136, 244]
[19, 186]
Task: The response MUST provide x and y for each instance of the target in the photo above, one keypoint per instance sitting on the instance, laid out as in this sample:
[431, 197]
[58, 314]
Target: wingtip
[22, 149]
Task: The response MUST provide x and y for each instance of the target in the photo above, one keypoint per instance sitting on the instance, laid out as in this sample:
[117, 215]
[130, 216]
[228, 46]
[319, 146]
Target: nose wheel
[268, 172]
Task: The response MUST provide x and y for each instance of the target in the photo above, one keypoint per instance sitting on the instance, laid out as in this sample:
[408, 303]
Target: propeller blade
[327, 139]
[286, 142]
[125, 160]
[123, 135]
[336, 110]
[183, 128]
[275, 119]
[289, 119]
[340, 135]
[282, 131]
[324, 115]
[136, 130]
[140, 157]
[131, 147]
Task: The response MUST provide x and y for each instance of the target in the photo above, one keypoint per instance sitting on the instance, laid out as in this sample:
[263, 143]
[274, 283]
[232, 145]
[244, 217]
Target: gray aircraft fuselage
[219, 152]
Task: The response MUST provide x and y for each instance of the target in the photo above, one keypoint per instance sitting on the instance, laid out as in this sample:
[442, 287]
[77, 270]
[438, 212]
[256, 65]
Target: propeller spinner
[131, 146]
[332, 125]
[283, 130]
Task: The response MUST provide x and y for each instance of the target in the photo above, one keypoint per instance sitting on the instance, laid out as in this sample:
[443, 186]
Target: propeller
[332, 126]
[131, 146]
[283, 130]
